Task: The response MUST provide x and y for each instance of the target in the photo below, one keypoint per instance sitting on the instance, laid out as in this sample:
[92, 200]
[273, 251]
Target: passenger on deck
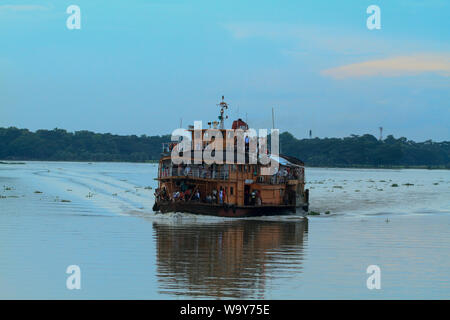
[187, 194]
[221, 195]
[214, 196]
[258, 198]
[253, 198]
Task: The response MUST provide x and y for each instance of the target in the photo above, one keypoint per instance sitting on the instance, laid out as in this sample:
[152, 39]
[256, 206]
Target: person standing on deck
[253, 199]
[221, 195]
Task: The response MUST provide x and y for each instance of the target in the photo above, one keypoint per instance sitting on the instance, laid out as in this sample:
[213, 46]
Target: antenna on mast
[223, 105]
[273, 119]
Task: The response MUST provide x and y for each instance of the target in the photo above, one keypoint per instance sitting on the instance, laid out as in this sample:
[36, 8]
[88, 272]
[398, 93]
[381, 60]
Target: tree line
[365, 150]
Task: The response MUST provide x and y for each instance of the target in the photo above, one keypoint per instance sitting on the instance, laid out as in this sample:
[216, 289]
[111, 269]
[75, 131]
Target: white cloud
[22, 7]
[394, 67]
[299, 38]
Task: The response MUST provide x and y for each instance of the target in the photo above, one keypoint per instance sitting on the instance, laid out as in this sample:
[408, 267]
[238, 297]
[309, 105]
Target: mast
[273, 119]
[223, 105]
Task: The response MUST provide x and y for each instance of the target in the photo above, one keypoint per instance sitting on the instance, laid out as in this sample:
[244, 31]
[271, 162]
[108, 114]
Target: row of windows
[226, 190]
[245, 168]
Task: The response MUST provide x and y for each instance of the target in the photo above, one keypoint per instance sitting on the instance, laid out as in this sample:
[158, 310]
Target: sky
[142, 66]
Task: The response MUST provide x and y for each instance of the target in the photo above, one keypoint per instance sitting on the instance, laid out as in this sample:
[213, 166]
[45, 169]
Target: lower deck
[224, 210]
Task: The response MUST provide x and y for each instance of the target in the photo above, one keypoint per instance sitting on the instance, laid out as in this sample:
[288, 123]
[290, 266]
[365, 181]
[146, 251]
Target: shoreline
[355, 166]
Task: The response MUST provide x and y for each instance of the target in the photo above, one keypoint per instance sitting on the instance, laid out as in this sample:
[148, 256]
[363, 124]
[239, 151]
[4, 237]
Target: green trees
[365, 150]
[58, 144]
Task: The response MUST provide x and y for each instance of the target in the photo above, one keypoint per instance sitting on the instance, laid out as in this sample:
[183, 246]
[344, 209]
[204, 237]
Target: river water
[99, 217]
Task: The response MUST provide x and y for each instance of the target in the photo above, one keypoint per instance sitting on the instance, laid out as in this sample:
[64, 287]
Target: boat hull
[227, 210]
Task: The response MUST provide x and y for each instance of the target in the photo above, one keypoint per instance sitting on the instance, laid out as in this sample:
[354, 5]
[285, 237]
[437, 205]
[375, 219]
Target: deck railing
[222, 173]
[195, 172]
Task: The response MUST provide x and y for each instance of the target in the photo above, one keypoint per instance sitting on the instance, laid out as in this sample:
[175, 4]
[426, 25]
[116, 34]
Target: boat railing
[275, 179]
[223, 174]
[203, 173]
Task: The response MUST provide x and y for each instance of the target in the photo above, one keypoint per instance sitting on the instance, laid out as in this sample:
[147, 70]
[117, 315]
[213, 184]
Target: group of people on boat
[197, 171]
[252, 198]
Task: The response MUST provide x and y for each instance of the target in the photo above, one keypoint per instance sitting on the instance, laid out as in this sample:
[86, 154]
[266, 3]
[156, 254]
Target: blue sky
[137, 67]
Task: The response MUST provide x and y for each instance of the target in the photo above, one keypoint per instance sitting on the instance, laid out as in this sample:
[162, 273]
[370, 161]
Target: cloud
[394, 67]
[22, 7]
[301, 38]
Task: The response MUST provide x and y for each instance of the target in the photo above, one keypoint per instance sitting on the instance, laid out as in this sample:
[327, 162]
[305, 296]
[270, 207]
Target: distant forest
[354, 151]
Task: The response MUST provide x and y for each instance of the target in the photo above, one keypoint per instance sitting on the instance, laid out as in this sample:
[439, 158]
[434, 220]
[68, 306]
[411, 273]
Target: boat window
[231, 191]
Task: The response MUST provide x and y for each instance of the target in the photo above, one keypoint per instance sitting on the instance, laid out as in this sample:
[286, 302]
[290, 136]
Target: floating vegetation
[114, 194]
[148, 188]
[313, 213]
[327, 212]
[2, 162]
[356, 190]
[66, 201]
[69, 189]
[90, 195]
[382, 180]
[435, 183]
[2, 197]
[379, 189]
[6, 188]
[37, 191]
[394, 185]
[408, 184]
[337, 187]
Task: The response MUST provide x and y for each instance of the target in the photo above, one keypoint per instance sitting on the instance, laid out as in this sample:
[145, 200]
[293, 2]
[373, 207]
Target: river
[99, 217]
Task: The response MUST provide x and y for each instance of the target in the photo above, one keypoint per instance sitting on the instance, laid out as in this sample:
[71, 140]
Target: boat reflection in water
[229, 259]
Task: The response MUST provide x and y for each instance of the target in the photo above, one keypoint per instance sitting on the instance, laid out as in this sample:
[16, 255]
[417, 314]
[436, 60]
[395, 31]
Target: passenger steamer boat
[237, 189]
